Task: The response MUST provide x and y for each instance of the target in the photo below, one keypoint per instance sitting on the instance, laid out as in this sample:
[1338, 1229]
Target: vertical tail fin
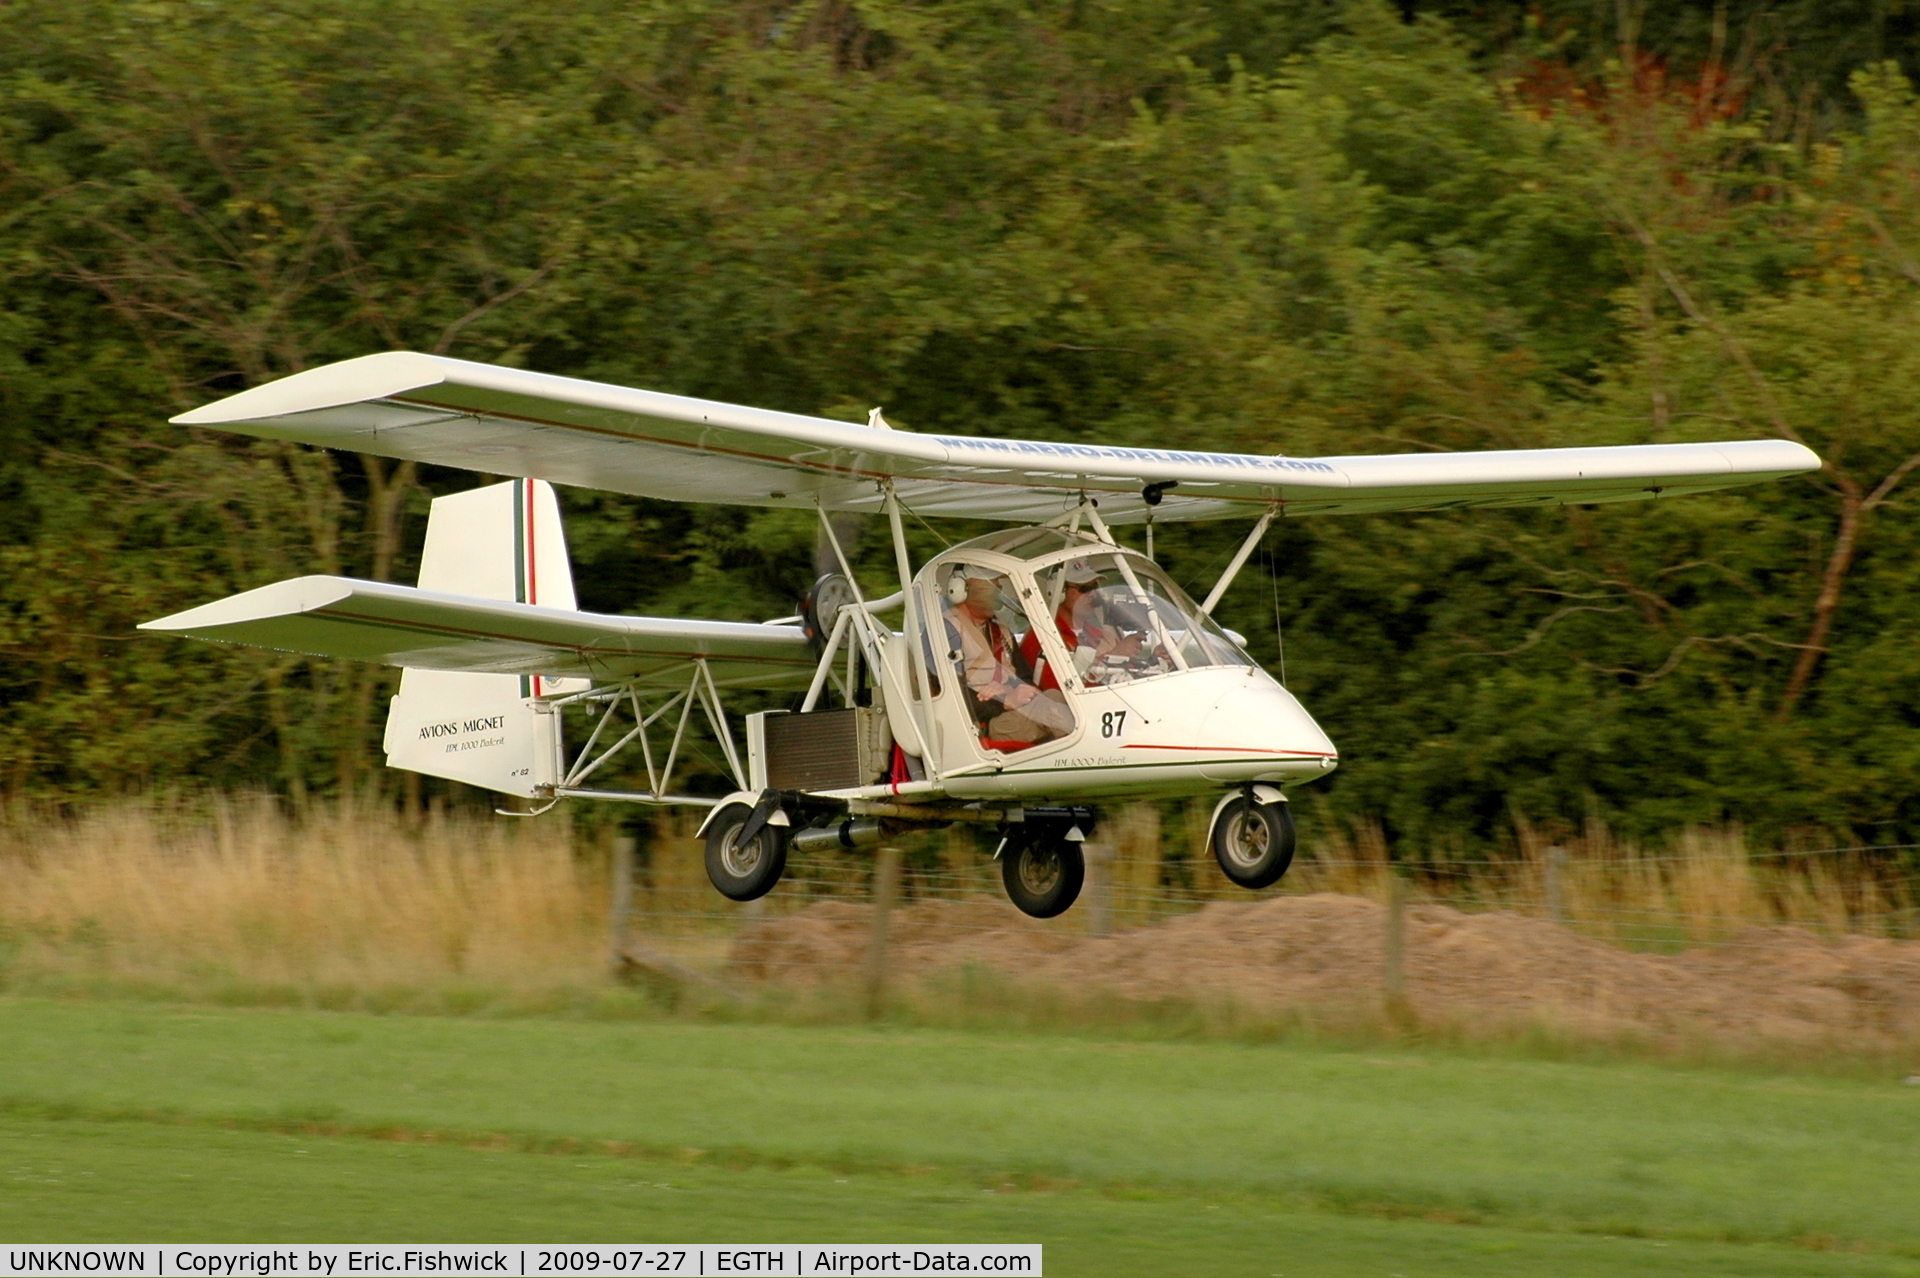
[490, 730]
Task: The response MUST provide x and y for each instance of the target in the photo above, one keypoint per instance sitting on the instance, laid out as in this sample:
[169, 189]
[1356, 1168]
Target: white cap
[1082, 570]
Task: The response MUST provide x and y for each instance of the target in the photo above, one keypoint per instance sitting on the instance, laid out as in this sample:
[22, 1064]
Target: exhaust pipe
[857, 832]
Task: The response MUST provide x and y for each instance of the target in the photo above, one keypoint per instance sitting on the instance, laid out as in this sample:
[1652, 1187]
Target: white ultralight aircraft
[1034, 672]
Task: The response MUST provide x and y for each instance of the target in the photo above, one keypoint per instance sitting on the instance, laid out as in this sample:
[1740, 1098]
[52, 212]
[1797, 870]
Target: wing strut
[1133, 583]
[911, 622]
[825, 668]
[1239, 560]
[872, 646]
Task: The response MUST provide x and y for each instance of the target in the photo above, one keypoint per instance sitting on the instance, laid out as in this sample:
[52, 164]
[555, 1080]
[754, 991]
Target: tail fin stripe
[519, 549]
[520, 521]
[533, 555]
[525, 518]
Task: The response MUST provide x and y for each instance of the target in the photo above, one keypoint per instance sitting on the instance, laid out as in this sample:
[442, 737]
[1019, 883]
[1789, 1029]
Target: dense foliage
[1305, 228]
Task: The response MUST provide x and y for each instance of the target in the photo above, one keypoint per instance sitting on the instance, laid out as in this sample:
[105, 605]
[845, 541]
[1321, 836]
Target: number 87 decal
[1113, 723]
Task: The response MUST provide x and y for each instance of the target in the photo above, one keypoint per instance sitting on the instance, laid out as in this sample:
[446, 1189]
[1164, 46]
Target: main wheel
[744, 871]
[1043, 876]
[1253, 842]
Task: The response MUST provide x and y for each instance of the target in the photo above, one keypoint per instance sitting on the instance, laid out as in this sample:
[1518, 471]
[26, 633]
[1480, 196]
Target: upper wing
[512, 422]
[401, 626]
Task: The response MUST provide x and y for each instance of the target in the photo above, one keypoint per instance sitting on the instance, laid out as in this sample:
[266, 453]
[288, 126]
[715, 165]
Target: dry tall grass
[222, 897]
[230, 893]
[1707, 886]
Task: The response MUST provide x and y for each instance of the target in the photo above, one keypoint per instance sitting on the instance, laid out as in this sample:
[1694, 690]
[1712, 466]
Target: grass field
[134, 1121]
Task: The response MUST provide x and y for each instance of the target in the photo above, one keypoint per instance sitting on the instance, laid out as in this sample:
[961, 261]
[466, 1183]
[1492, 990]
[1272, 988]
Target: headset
[957, 587]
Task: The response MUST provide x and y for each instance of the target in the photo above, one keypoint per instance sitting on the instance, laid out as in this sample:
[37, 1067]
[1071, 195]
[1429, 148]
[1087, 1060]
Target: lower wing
[425, 630]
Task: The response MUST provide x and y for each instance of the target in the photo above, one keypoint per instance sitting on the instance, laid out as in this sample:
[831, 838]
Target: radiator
[824, 750]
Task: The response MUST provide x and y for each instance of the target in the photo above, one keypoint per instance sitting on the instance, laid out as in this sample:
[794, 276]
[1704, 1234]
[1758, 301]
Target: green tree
[1333, 229]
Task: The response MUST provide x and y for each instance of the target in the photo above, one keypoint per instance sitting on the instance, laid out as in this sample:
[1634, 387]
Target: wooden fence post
[620, 921]
[1396, 982]
[1099, 906]
[1556, 864]
[886, 885]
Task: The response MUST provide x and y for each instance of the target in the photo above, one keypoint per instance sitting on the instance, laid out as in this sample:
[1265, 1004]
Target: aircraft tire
[744, 873]
[1043, 876]
[1253, 842]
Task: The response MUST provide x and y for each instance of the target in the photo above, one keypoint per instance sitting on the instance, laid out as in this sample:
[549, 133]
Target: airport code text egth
[393, 1261]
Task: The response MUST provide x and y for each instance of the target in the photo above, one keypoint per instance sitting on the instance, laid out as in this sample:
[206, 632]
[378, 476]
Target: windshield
[1124, 619]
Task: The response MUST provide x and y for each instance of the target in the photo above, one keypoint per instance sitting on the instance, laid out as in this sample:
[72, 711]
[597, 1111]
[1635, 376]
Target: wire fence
[1802, 945]
[1141, 873]
[231, 897]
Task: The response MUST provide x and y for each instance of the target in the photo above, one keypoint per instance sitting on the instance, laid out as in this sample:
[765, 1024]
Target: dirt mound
[1328, 951]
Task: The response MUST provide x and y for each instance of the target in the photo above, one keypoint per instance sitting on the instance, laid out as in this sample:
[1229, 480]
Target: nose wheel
[1253, 841]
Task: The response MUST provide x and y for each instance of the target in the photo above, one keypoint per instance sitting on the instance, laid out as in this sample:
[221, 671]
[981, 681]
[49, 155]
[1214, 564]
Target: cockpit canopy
[1034, 543]
[1032, 618]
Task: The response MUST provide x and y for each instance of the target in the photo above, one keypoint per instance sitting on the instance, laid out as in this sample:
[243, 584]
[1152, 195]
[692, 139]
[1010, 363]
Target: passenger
[1082, 628]
[1007, 706]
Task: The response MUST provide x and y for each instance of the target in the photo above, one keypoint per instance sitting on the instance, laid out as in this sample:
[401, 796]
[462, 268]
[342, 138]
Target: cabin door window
[996, 661]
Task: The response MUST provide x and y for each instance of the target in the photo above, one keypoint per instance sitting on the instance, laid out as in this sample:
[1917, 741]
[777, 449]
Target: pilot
[1007, 705]
[1082, 628]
